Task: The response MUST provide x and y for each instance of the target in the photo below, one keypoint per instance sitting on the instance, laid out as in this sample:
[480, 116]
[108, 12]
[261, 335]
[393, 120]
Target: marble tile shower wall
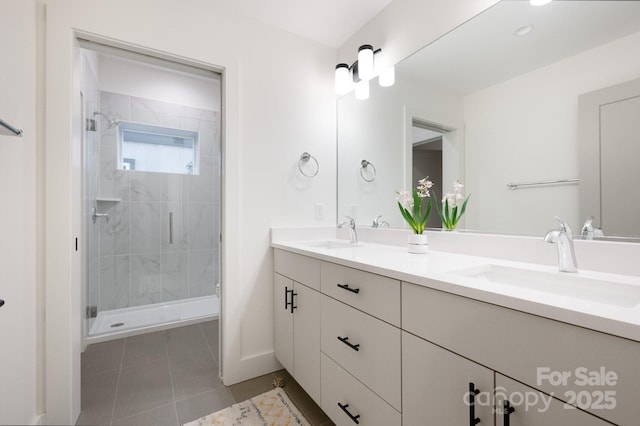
[138, 264]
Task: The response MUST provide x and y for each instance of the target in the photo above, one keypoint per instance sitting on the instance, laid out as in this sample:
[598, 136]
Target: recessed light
[525, 29]
[539, 2]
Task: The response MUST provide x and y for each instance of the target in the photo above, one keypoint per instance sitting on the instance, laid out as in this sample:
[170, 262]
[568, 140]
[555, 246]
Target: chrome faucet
[566, 253]
[377, 223]
[351, 224]
[589, 231]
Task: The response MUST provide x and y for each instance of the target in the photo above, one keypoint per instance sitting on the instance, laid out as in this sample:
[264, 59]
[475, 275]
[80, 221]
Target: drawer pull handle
[346, 287]
[1, 303]
[508, 409]
[473, 420]
[351, 416]
[345, 340]
[286, 298]
[287, 304]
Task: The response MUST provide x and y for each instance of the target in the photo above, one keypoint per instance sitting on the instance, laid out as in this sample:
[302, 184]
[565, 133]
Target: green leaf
[417, 205]
[406, 215]
[425, 218]
[464, 205]
[447, 221]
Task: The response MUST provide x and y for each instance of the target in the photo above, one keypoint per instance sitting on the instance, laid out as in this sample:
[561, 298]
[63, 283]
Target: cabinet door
[534, 408]
[283, 322]
[306, 339]
[435, 386]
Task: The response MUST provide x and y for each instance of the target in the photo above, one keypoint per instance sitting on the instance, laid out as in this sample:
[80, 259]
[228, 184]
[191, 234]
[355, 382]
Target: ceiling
[485, 51]
[330, 22]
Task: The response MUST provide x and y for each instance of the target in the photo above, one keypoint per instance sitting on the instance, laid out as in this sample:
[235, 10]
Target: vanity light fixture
[362, 89]
[365, 62]
[352, 77]
[539, 2]
[387, 77]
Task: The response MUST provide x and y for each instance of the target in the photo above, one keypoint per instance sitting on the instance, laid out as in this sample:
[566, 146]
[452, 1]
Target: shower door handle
[95, 215]
[170, 227]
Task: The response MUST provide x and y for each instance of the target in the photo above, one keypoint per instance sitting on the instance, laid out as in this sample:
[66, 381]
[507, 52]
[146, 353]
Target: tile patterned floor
[169, 378]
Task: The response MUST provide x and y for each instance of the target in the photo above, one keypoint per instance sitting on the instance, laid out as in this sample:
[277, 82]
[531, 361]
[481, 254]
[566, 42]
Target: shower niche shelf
[109, 199]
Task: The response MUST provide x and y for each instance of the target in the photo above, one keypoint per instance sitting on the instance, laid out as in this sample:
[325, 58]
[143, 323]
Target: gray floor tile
[98, 396]
[210, 331]
[194, 376]
[187, 339]
[102, 357]
[136, 381]
[161, 416]
[143, 387]
[250, 388]
[144, 348]
[203, 404]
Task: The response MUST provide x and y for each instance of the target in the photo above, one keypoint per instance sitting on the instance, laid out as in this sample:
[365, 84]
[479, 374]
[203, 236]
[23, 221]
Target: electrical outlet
[319, 208]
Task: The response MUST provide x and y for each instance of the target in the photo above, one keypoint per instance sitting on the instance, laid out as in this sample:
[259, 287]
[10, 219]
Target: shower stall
[151, 189]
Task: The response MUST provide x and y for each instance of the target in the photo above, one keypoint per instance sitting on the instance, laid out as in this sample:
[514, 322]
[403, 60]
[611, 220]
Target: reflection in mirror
[507, 108]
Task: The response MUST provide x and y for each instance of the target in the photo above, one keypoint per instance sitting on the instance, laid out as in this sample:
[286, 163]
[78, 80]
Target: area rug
[272, 408]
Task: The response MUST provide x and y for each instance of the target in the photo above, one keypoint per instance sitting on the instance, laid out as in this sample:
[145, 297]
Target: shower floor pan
[118, 323]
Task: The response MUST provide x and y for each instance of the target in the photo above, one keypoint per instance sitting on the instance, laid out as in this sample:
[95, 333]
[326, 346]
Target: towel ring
[364, 164]
[304, 158]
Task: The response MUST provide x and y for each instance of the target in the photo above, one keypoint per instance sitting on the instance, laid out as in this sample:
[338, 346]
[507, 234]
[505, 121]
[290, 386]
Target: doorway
[426, 160]
[151, 169]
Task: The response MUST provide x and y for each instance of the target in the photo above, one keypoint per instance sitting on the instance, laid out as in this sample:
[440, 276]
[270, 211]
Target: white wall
[279, 102]
[18, 391]
[525, 129]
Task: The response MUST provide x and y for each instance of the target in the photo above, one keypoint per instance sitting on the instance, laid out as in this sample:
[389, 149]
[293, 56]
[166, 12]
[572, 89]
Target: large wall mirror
[508, 98]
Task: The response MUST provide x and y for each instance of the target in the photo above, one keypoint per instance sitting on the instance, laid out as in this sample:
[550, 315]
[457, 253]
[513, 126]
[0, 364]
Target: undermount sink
[330, 244]
[557, 283]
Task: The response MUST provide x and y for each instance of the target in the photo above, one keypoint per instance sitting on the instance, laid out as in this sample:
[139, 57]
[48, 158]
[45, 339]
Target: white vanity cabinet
[436, 386]
[297, 318]
[555, 358]
[372, 350]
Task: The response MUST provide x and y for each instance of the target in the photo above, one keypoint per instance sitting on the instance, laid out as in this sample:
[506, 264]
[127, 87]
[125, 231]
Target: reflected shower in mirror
[506, 105]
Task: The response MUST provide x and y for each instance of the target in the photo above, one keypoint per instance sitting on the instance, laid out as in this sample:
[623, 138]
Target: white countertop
[440, 271]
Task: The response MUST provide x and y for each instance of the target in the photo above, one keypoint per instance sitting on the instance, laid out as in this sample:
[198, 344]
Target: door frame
[589, 143]
[63, 221]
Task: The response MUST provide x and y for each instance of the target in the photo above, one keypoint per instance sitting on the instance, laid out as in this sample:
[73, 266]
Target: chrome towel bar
[8, 130]
[542, 183]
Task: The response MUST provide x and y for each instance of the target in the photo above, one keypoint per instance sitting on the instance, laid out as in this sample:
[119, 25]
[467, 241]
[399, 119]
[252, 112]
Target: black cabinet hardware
[473, 420]
[346, 287]
[508, 409]
[351, 416]
[1, 303]
[293, 306]
[345, 340]
[286, 298]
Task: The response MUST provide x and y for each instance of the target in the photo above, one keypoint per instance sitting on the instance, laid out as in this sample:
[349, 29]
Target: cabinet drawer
[528, 348]
[376, 362]
[371, 293]
[339, 387]
[303, 269]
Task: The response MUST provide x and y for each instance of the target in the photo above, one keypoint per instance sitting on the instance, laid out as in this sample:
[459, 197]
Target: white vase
[418, 243]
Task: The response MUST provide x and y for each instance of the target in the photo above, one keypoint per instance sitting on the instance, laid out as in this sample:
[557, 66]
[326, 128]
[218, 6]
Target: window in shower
[148, 148]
